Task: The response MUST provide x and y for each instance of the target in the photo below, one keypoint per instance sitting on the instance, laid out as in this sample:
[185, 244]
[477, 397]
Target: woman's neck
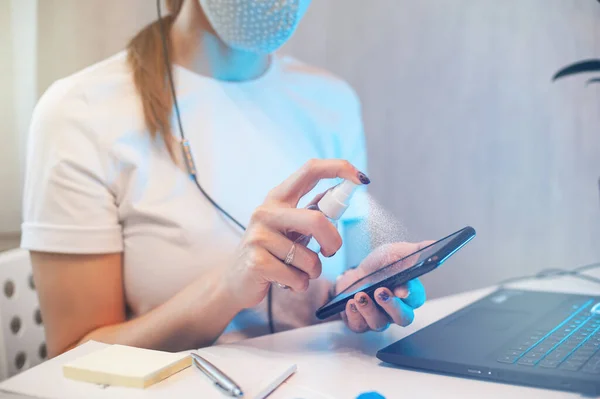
[197, 47]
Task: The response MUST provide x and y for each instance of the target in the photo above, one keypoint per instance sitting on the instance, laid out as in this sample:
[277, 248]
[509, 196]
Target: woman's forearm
[193, 318]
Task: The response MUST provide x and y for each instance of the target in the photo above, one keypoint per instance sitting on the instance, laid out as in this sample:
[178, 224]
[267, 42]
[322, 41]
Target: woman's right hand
[266, 242]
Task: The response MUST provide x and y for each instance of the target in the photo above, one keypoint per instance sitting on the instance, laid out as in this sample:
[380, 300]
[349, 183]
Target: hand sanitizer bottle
[333, 205]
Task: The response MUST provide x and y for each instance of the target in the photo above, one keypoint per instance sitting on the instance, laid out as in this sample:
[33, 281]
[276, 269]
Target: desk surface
[335, 363]
[340, 364]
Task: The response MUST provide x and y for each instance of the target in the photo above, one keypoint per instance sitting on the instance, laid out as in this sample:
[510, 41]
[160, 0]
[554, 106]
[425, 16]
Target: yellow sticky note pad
[126, 366]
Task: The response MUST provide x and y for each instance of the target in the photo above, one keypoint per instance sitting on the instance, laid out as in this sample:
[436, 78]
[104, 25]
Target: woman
[126, 249]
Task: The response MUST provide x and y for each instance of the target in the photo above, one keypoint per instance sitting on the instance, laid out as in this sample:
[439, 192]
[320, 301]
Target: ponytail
[146, 59]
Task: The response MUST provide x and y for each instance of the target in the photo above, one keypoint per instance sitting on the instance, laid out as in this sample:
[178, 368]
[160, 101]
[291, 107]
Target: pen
[217, 376]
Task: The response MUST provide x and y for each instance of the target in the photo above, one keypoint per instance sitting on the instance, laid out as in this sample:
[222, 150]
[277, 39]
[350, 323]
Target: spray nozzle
[335, 202]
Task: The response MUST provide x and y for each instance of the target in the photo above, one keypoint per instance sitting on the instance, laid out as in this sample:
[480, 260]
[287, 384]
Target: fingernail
[384, 296]
[363, 300]
[353, 308]
[332, 255]
[363, 178]
[405, 294]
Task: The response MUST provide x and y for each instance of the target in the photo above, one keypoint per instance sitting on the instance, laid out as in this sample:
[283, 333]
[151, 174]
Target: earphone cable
[551, 273]
[188, 154]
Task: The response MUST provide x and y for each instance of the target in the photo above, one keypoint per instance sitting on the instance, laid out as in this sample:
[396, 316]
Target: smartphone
[401, 271]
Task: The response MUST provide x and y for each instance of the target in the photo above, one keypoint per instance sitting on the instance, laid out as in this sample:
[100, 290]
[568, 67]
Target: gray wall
[74, 34]
[463, 124]
[9, 170]
[465, 127]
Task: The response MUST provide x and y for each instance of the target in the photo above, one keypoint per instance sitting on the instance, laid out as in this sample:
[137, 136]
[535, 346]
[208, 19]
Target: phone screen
[413, 261]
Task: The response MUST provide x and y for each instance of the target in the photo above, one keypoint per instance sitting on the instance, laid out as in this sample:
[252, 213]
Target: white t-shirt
[98, 183]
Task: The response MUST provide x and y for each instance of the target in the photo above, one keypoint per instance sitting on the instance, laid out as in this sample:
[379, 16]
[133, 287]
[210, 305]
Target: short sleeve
[68, 206]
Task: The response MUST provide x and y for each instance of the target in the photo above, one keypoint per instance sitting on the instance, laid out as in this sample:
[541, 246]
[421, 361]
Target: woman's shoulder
[108, 78]
[320, 82]
[86, 97]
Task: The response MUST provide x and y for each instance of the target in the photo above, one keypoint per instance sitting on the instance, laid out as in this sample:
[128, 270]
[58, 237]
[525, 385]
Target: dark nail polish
[363, 178]
[363, 300]
[353, 308]
[384, 296]
[332, 255]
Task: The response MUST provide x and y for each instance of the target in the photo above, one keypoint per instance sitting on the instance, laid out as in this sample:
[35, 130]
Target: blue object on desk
[370, 395]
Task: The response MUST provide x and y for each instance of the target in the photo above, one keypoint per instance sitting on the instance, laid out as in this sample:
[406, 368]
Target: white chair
[22, 341]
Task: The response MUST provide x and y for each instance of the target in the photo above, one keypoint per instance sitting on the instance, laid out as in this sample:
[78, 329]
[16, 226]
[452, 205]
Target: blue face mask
[256, 26]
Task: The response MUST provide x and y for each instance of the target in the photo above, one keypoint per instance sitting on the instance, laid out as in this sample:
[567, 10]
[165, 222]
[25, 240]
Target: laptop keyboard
[569, 341]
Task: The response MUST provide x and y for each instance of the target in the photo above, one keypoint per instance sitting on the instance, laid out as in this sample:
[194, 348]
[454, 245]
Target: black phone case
[393, 281]
[465, 235]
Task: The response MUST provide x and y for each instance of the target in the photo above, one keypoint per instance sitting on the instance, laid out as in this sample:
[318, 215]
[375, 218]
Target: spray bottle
[333, 205]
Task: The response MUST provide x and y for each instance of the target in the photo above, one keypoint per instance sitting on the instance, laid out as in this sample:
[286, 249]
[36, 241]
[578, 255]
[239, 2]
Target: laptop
[541, 339]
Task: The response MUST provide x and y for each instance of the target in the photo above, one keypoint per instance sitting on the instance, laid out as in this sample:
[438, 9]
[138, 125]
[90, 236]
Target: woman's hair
[145, 54]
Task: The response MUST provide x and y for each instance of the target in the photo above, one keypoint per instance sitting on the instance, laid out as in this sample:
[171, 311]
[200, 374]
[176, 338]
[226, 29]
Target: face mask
[256, 26]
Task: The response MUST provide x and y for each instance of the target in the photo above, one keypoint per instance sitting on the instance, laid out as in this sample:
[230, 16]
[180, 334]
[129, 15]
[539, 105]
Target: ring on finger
[289, 258]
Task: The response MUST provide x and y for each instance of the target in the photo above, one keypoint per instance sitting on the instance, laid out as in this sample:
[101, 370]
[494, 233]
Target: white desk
[339, 364]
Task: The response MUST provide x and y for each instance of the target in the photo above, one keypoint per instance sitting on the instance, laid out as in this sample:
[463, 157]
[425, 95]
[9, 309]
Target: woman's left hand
[361, 313]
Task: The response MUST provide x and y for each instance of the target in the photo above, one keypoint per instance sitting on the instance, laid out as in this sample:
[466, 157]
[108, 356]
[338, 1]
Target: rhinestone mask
[257, 26]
